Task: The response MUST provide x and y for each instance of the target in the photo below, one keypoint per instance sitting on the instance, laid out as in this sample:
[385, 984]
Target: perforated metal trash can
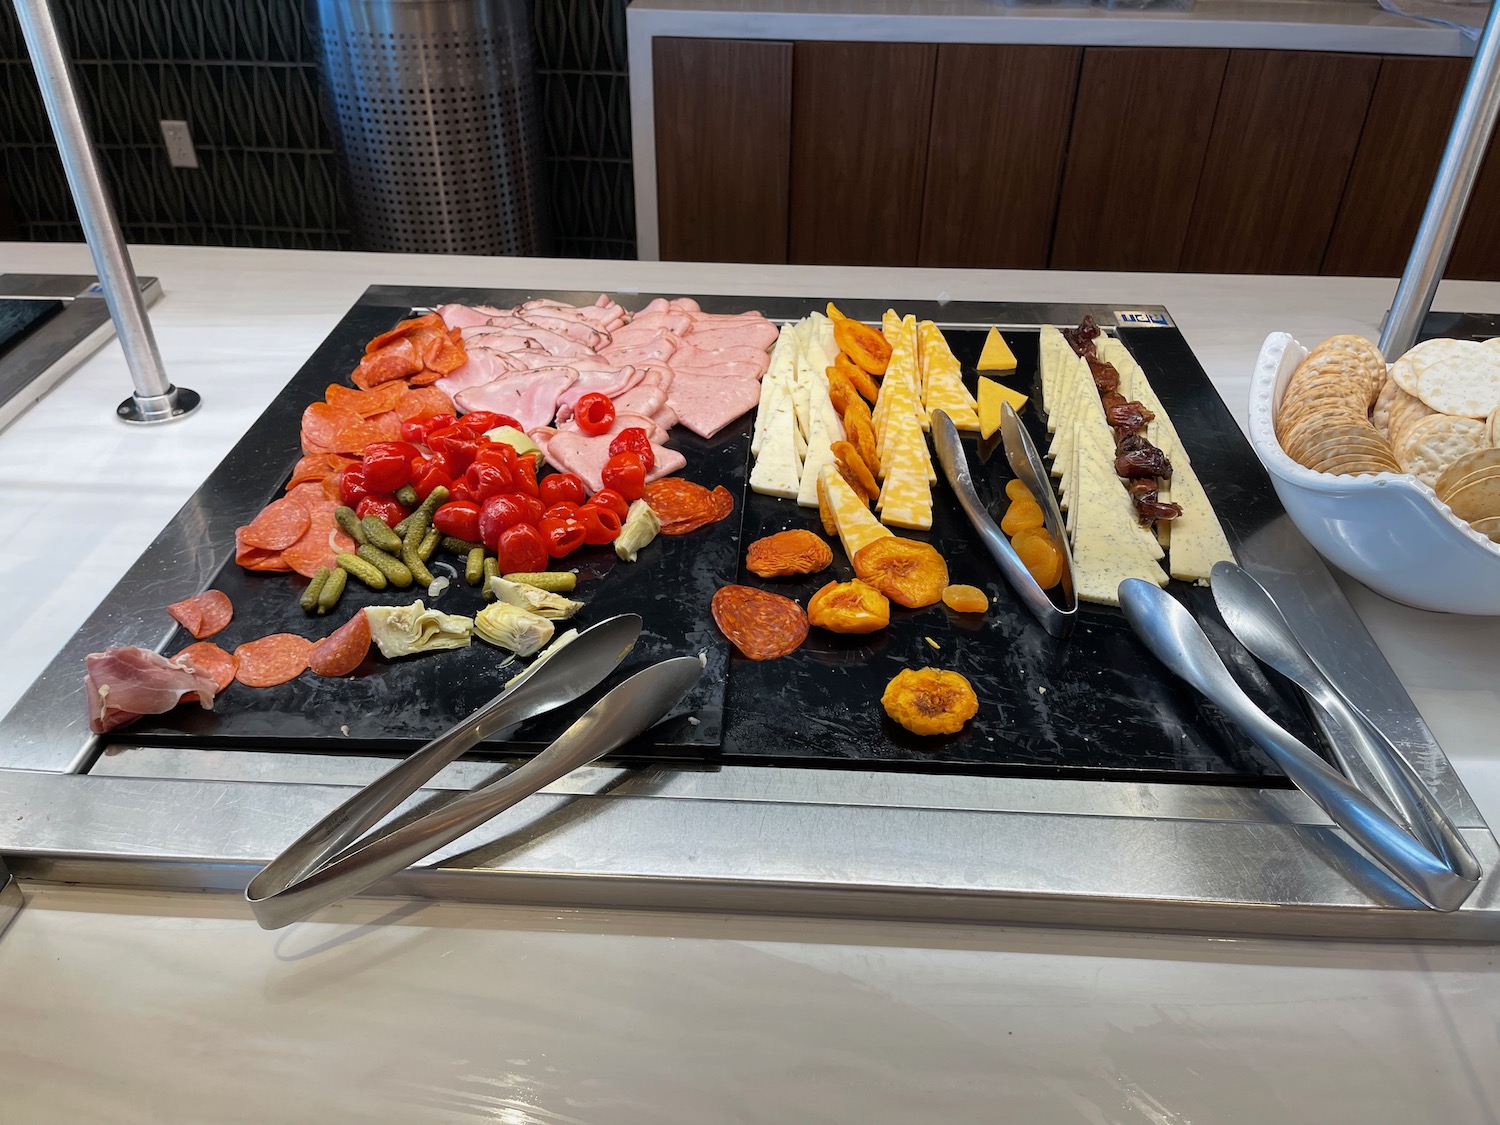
[435, 109]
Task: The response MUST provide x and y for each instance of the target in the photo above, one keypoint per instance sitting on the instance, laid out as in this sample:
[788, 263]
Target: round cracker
[1404, 373]
[1470, 464]
[1456, 377]
[1489, 526]
[1380, 413]
[1434, 443]
[1477, 499]
[1492, 425]
[1406, 410]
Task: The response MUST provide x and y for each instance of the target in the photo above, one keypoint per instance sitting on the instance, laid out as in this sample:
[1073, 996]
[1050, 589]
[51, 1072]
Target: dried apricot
[849, 458]
[861, 435]
[1020, 515]
[966, 599]
[1016, 489]
[849, 607]
[930, 700]
[863, 381]
[863, 344]
[1042, 559]
[788, 552]
[840, 390]
[856, 407]
[910, 573]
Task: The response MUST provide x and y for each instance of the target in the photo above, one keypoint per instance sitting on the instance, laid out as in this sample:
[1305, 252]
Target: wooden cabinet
[1140, 132]
[1111, 158]
[723, 110]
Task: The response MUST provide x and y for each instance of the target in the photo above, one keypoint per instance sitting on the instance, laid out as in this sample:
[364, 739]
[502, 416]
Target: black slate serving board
[1096, 705]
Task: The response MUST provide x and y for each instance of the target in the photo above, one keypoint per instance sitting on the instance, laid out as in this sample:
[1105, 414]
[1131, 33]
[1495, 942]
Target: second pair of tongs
[1441, 873]
[1025, 462]
[330, 861]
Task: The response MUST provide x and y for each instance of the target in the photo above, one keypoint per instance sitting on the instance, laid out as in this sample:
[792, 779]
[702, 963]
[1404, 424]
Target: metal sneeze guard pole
[1467, 143]
[155, 398]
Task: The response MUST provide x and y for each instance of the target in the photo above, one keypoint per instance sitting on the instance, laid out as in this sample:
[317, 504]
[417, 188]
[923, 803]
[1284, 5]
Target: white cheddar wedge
[1052, 354]
[782, 369]
[857, 527]
[820, 440]
[1107, 548]
[778, 469]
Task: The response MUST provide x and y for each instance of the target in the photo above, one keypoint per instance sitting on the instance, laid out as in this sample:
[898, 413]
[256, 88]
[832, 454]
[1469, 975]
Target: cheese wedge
[826, 429]
[942, 380]
[996, 354]
[1052, 356]
[778, 469]
[906, 497]
[1107, 548]
[890, 326]
[857, 527]
[782, 369]
[991, 395]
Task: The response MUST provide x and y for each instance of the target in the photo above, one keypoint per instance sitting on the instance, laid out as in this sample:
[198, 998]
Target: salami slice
[280, 524]
[271, 660]
[256, 558]
[674, 499]
[320, 424]
[394, 361]
[353, 438]
[723, 501]
[365, 403]
[344, 649]
[760, 624]
[204, 615]
[421, 403]
[207, 659]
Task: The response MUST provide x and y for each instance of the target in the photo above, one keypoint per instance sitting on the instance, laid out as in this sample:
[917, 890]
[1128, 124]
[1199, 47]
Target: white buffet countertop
[143, 1007]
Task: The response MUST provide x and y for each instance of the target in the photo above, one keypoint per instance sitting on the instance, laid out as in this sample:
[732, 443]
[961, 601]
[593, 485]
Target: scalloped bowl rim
[1269, 376]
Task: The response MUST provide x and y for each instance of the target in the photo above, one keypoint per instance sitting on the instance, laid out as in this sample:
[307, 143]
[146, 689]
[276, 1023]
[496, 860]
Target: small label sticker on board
[1130, 318]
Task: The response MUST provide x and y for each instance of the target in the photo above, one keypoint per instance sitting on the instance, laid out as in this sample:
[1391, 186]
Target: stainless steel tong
[1426, 854]
[330, 862]
[1024, 461]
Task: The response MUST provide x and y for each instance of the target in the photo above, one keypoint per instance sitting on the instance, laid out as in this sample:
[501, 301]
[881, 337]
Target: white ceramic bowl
[1389, 530]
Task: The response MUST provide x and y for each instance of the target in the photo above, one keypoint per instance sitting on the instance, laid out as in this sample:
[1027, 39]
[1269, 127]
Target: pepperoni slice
[208, 659]
[430, 322]
[421, 403]
[256, 558]
[321, 423]
[204, 615]
[441, 352]
[365, 403]
[271, 660]
[674, 499]
[343, 650]
[760, 624]
[280, 524]
[353, 438]
[394, 361]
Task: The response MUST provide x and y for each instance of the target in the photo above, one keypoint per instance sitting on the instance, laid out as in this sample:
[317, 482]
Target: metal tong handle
[1368, 757]
[1169, 630]
[625, 712]
[1058, 622]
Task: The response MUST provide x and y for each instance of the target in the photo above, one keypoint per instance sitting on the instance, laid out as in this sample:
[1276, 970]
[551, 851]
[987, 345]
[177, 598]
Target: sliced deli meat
[706, 404]
[125, 682]
[204, 615]
[344, 650]
[583, 454]
[208, 659]
[530, 397]
[271, 660]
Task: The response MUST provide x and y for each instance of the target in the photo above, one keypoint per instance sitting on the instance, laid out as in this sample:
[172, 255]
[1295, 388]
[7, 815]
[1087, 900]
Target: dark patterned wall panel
[244, 74]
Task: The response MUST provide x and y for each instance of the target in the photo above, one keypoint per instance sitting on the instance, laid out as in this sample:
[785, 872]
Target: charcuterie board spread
[475, 476]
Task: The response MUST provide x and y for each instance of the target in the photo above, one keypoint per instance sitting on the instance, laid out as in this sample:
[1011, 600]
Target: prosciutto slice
[125, 682]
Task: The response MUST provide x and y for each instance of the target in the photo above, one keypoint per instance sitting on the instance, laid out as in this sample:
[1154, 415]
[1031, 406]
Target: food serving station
[1094, 788]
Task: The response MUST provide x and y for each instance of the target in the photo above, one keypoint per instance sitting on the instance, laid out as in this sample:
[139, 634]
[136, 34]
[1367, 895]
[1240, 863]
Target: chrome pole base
[144, 410]
[10, 898]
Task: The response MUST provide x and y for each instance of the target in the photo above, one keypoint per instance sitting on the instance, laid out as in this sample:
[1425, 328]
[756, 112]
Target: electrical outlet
[179, 142]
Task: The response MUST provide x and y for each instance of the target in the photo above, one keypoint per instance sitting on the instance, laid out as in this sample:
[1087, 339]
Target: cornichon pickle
[555, 581]
[474, 568]
[420, 520]
[411, 557]
[430, 543]
[333, 589]
[350, 522]
[400, 528]
[309, 600]
[371, 575]
[491, 569]
[396, 571]
[407, 495]
[459, 546]
[379, 534]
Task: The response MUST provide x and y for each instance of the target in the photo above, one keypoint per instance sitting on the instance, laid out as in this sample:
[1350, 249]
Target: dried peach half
[840, 390]
[930, 700]
[966, 599]
[861, 436]
[910, 573]
[863, 381]
[788, 552]
[863, 344]
[852, 462]
[849, 607]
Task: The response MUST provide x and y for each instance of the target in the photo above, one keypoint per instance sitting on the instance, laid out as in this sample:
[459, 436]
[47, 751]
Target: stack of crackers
[1435, 414]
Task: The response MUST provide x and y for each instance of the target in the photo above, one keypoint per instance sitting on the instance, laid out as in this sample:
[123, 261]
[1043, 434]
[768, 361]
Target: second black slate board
[1097, 704]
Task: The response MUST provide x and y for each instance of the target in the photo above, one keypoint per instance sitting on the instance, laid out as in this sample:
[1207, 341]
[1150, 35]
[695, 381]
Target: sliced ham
[706, 404]
[644, 327]
[529, 397]
[585, 455]
[666, 417]
[658, 349]
[483, 366]
[606, 382]
[690, 353]
[125, 682]
[643, 398]
[726, 370]
[622, 421]
[462, 316]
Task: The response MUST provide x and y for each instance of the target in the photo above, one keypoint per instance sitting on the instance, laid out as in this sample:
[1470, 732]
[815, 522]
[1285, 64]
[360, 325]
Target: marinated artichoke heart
[511, 627]
[640, 527]
[543, 603]
[405, 630]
